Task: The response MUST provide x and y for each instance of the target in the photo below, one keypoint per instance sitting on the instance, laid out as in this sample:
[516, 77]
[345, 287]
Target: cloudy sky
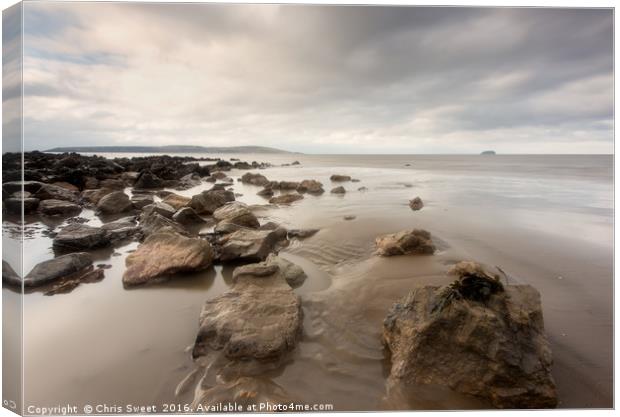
[320, 79]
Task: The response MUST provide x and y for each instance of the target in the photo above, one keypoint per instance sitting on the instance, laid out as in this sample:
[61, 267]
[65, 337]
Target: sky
[319, 79]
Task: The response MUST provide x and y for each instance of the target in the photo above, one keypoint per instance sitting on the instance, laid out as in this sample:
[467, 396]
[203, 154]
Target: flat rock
[340, 178]
[58, 208]
[236, 213]
[493, 347]
[57, 268]
[177, 201]
[114, 203]
[416, 241]
[81, 236]
[14, 204]
[165, 253]
[209, 201]
[187, 216]
[250, 245]
[286, 198]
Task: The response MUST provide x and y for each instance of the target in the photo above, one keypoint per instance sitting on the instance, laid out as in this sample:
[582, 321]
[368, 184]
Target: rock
[254, 179]
[236, 213]
[302, 233]
[269, 226]
[406, 242]
[177, 201]
[340, 178]
[121, 228]
[187, 216]
[94, 196]
[80, 236]
[259, 320]
[350, 217]
[489, 344]
[165, 253]
[250, 245]
[58, 208]
[130, 177]
[295, 163]
[218, 175]
[148, 180]
[159, 207]
[91, 183]
[88, 275]
[286, 198]
[362, 189]
[310, 187]
[67, 186]
[114, 203]
[338, 190]
[140, 201]
[266, 192]
[209, 201]
[355, 180]
[293, 274]
[14, 186]
[416, 203]
[288, 185]
[54, 192]
[189, 181]
[155, 222]
[9, 276]
[112, 183]
[14, 203]
[57, 268]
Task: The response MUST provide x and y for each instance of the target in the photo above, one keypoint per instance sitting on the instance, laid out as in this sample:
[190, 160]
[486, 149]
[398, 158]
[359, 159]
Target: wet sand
[548, 223]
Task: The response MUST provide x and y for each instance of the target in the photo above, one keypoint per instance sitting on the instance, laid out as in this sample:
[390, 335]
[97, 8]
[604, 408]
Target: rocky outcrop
[340, 178]
[209, 201]
[251, 245]
[404, 243]
[311, 187]
[286, 198]
[236, 213]
[416, 204]
[475, 336]
[338, 190]
[187, 216]
[80, 236]
[165, 253]
[177, 201]
[114, 203]
[258, 321]
[58, 208]
[254, 179]
[57, 268]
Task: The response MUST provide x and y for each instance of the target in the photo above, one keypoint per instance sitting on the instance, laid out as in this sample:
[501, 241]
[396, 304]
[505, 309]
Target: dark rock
[58, 208]
[14, 186]
[112, 183]
[159, 207]
[9, 276]
[416, 204]
[209, 201]
[121, 228]
[187, 216]
[148, 180]
[236, 213]
[254, 179]
[54, 192]
[155, 222]
[340, 178]
[57, 268]
[81, 236]
[338, 190]
[311, 187]
[114, 203]
[266, 192]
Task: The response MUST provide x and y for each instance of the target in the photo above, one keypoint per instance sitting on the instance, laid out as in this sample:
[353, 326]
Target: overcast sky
[320, 79]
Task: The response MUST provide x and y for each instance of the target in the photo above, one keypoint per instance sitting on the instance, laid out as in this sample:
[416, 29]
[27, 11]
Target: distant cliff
[168, 149]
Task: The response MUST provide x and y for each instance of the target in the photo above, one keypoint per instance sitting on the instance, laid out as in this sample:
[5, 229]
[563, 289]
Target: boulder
[338, 190]
[310, 187]
[121, 228]
[209, 201]
[250, 245]
[416, 203]
[189, 181]
[57, 268]
[286, 198]
[475, 336]
[416, 241]
[236, 213]
[155, 222]
[94, 196]
[187, 216]
[9, 276]
[266, 192]
[259, 320]
[114, 203]
[148, 180]
[165, 253]
[140, 201]
[159, 207]
[177, 201]
[112, 183]
[340, 178]
[254, 179]
[58, 208]
[54, 192]
[80, 236]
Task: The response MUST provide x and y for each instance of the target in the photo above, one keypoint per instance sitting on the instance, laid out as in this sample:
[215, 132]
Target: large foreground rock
[236, 213]
[251, 245]
[416, 241]
[60, 267]
[258, 320]
[209, 201]
[114, 203]
[476, 337]
[165, 253]
[81, 236]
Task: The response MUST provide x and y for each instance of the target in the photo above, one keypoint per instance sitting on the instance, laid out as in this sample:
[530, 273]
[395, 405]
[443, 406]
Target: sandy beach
[546, 221]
